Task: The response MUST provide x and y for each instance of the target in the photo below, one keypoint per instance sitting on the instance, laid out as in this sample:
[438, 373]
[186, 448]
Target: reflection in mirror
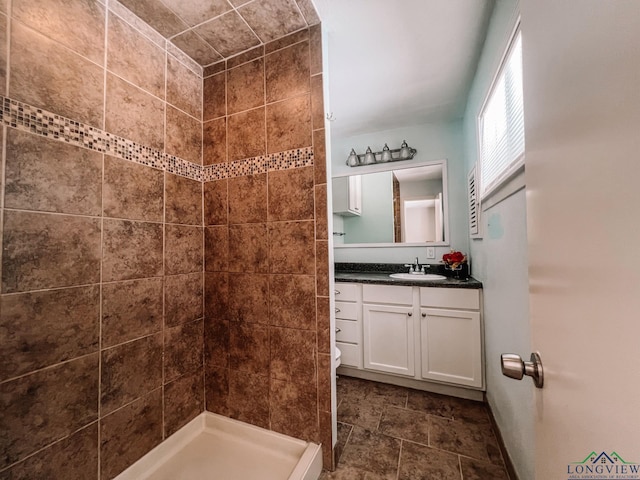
[401, 206]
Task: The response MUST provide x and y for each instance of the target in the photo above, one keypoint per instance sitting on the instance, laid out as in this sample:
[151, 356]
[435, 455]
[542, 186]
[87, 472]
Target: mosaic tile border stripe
[25, 117]
[301, 157]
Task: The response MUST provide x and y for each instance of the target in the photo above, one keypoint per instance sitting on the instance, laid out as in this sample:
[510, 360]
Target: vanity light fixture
[405, 152]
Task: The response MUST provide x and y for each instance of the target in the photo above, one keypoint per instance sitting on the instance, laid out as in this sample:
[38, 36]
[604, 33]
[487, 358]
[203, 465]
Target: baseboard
[505, 454]
[451, 390]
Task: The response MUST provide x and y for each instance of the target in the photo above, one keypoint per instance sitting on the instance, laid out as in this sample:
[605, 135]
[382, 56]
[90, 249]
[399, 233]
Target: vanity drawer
[347, 311]
[347, 292]
[450, 298]
[347, 331]
[351, 354]
[387, 294]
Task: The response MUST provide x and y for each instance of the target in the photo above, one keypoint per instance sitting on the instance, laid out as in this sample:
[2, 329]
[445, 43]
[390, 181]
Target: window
[501, 122]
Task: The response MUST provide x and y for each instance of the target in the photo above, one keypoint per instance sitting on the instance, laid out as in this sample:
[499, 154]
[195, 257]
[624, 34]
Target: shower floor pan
[215, 447]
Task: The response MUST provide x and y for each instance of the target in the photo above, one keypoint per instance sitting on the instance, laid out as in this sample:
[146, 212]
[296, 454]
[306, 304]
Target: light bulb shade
[369, 157]
[386, 154]
[353, 160]
[405, 151]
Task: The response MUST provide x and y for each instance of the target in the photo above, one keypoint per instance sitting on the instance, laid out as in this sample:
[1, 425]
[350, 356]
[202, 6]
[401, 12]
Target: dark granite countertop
[379, 274]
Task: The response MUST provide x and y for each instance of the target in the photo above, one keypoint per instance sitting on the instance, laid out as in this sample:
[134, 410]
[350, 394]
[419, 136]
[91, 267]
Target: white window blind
[501, 122]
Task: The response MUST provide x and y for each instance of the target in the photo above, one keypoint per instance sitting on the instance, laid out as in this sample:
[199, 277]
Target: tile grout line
[129, 22]
[5, 132]
[48, 367]
[100, 292]
[164, 297]
[164, 250]
[315, 248]
[9, 15]
[202, 289]
[101, 348]
[3, 173]
[399, 459]
[85, 285]
[270, 327]
[49, 445]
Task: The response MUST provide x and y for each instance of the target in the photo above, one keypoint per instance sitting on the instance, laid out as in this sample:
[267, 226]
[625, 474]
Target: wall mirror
[391, 205]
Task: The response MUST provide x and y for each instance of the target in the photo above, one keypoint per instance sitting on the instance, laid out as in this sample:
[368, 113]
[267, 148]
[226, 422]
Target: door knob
[514, 367]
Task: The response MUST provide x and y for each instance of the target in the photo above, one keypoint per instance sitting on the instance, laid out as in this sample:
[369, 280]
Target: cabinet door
[347, 196]
[451, 346]
[355, 194]
[389, 339]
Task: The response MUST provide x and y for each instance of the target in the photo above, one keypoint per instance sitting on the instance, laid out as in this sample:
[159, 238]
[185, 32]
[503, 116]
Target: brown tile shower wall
[101, 305]
[267, 345]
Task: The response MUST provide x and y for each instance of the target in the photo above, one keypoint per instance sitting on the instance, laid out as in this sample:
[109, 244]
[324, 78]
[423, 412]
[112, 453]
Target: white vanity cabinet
[451, 336]
[388, 328]
[416, 335]
[348, 298]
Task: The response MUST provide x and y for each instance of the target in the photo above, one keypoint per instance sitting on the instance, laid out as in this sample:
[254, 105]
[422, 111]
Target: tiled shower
[164, 239]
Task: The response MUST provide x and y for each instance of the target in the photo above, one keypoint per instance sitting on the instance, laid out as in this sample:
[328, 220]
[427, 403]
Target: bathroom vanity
[417, 333]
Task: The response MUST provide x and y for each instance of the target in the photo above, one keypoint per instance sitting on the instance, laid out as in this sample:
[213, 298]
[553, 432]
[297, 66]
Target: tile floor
[396, 433]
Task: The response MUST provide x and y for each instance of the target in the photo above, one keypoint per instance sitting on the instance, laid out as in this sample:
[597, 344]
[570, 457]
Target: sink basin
[418, 276]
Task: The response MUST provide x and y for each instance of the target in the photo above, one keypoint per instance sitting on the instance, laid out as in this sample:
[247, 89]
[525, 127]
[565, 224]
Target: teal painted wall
[500, 262]
[433, 142]
[375, 223]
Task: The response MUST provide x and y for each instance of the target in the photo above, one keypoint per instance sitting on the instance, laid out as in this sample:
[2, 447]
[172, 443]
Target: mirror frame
[390, 166]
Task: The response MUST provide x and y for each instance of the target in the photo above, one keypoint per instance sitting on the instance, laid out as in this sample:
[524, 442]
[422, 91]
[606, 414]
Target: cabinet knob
[424, 314]
[410, 314]
[338, 330]
[337, 310]
[337, 292]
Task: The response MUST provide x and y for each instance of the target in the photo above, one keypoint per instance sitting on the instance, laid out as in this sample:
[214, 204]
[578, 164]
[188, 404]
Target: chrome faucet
[415, 267]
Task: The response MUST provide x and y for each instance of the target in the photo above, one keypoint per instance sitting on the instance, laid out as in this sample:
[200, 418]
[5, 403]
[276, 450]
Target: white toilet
[338, 355]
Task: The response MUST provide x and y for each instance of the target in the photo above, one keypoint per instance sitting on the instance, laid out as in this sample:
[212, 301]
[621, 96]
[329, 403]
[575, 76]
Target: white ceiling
[395, 63]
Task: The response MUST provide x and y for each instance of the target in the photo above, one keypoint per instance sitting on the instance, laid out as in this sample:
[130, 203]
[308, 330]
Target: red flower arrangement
[454, 259]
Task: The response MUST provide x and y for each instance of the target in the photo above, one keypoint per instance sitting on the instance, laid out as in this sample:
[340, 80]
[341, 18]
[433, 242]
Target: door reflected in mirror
[400, 206]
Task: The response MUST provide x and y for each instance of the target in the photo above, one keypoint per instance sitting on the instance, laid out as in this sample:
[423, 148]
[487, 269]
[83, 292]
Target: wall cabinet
[347, 195]
[423, 333]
